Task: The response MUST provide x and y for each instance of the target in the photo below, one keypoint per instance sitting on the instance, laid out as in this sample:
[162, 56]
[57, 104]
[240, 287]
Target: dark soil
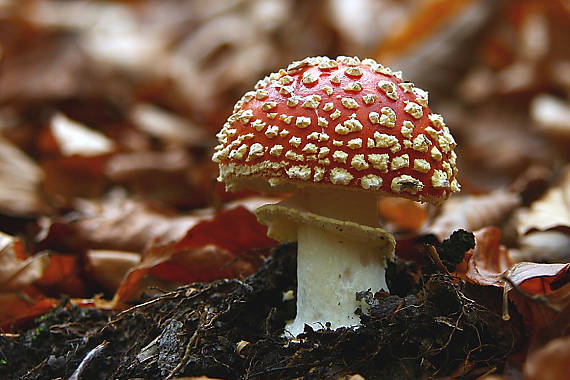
[433, 327]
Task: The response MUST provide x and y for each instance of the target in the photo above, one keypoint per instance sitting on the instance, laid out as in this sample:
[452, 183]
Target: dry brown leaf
[472, 212]
[146, 173]
[544, 247]
[552, 211]
[168, 127]
[117, 223]
[17, 269]
[486, 263]
[108, 268]
[551, 362]
[490, 164]
[74, 177]
[75, 139]
[544, 227]
[20, 183]
[41, 66]
[17, 273]
[551, 115]
[435, 46]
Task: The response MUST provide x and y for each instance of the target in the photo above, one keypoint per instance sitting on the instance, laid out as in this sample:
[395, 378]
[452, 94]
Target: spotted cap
[338, 122]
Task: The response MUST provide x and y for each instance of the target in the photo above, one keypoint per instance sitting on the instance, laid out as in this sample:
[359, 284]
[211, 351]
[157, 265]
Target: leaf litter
[108, 114]
[233, 329]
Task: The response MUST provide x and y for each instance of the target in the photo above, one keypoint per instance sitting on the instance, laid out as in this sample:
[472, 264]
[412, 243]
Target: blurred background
[109, 110]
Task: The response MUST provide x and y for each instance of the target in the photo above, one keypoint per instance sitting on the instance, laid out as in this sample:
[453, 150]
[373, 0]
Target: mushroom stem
[330, 270]
[332, 265]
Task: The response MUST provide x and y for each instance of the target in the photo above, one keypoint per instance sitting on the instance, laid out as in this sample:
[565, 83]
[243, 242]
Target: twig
[434, 256]
[184, 359]
[201, 327]
[87, 360]
[144, 304]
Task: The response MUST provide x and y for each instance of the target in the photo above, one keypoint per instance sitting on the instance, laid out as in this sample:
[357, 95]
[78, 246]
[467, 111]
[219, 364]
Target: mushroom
[336, 134]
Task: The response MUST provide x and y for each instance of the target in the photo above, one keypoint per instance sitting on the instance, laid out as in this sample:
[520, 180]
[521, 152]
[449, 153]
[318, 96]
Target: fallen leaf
[551, 362]
[427, 18]
[73, 177]
[17, 308]
[473, 212]
[145, 174]
[434, 46]
[546, 290]
[63, 275]
[551, 115]
[544, 247]
[536, 278]
[115, 223]
[486, 263]
[213, 248]
[550, 212]
[74, 138]
[42, 66]
[484, 162]
[542, 290]
[405, 214]
[17, 268]
[108, 268]
[20, 183]
[202, 265]
[168, 127]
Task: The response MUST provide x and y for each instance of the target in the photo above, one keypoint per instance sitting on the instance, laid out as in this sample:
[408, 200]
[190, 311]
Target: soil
[428, 326]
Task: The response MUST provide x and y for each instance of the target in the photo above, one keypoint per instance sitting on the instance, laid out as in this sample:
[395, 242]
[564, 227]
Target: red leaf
[211, 249]
[16, 308]
[236, 230]
[547, 288]
[63, 276]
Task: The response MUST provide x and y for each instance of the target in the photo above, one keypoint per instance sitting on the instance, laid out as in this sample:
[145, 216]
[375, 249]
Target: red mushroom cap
[343, 123]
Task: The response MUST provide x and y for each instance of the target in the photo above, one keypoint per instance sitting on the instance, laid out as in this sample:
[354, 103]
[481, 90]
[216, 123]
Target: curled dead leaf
[550, 212]
[109, 267]
[20, 183]
[116, 223]
[551, 115]
[547, 246]
[542, 292]
[473, 212]
[544, 227]
[17, 268]
[169, 127]
[486, 263]
[145, 173]
[76, 139]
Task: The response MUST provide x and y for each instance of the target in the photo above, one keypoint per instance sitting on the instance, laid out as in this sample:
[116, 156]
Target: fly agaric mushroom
[336, 134]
